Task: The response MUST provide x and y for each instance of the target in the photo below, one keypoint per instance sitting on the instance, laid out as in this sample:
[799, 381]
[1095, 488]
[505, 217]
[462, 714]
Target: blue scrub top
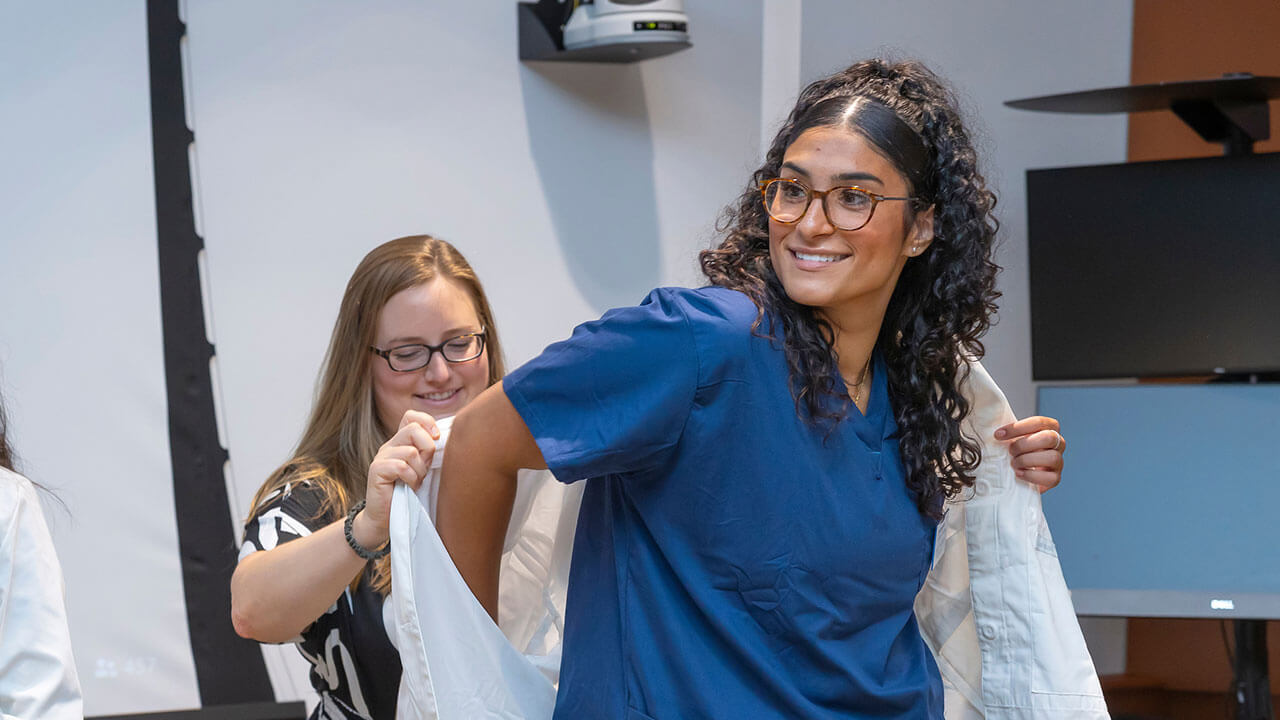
[732, 559]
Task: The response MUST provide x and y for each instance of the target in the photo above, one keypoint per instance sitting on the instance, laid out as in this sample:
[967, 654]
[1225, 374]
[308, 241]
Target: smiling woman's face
[842, 271]
[428, 314]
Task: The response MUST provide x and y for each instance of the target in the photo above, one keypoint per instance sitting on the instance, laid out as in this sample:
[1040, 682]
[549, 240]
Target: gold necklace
[857, 386]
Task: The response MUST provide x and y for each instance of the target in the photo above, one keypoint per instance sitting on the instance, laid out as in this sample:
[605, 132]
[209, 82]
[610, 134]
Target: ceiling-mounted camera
[602, 30]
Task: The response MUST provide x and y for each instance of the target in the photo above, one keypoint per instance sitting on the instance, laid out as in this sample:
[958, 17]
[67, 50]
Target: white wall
[325, 128]
[80, 342]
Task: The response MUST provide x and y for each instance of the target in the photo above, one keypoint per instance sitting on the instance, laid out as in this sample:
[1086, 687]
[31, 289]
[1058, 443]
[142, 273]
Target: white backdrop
[80, 343]
[324, 128]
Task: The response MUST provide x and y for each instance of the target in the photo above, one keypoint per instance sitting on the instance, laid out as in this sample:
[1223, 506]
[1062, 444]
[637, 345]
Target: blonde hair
[343, 434]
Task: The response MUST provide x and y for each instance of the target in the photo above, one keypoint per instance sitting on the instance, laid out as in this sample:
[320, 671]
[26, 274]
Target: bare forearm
[488, 445]
[276, 594]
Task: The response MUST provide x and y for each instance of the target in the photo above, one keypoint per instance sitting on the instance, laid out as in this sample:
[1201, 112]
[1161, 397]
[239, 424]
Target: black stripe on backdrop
[229, 669]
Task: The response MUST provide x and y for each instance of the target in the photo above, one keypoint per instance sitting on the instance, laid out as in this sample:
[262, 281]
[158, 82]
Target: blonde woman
[414, 341]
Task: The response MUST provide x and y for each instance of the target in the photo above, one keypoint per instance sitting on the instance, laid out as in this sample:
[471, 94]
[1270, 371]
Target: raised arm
[277, 592]
[488, 445]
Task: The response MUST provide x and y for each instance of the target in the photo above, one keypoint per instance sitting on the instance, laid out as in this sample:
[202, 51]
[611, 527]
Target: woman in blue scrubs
[769, 455]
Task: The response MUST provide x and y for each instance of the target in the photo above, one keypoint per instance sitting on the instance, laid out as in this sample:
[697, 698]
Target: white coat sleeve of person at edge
[994, 608]
[38, 679]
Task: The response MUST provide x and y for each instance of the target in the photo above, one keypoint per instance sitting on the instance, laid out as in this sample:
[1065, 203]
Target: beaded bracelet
[359, 549]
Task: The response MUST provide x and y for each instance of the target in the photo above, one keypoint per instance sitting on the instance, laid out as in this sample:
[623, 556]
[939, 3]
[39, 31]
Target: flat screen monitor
[1155, 268]
[1170, 499]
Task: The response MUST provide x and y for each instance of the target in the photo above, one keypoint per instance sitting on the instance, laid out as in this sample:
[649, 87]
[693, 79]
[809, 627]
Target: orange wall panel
[1176, 40]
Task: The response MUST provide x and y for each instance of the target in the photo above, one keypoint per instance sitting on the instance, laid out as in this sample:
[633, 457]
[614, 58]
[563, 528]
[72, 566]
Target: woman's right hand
[406, 458]
[277, 593]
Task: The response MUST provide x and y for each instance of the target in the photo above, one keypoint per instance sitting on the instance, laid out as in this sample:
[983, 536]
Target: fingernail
[1020, 473]
[1001, 433]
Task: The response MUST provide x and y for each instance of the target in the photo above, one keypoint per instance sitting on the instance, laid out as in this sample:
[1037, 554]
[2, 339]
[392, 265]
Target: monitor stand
[1231, 110]
[1251, 685]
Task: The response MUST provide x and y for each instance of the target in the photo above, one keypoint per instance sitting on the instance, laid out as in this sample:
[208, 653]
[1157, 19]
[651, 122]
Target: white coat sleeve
[995, 608]
[38, 678]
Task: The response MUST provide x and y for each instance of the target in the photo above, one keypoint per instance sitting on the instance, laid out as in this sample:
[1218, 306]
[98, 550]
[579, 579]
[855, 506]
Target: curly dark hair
[944, 298]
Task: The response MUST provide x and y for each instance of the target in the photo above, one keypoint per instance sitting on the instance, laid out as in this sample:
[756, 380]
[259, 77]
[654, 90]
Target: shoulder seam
[679, 304]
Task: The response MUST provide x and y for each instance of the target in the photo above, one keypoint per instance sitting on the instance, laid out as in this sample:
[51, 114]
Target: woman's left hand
[1036, 449]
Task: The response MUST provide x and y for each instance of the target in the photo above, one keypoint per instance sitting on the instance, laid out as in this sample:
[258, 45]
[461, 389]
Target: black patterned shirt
[354, 666]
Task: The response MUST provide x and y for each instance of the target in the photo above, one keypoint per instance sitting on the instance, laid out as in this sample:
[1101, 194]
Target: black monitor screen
[1156, 268]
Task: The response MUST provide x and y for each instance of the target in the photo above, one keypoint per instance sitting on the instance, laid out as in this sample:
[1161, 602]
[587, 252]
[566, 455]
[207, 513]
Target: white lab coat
[38, 678]
[994, 608]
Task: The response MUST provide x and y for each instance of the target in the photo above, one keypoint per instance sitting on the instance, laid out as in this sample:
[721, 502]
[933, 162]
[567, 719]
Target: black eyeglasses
[407, 358]
[847, 208]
